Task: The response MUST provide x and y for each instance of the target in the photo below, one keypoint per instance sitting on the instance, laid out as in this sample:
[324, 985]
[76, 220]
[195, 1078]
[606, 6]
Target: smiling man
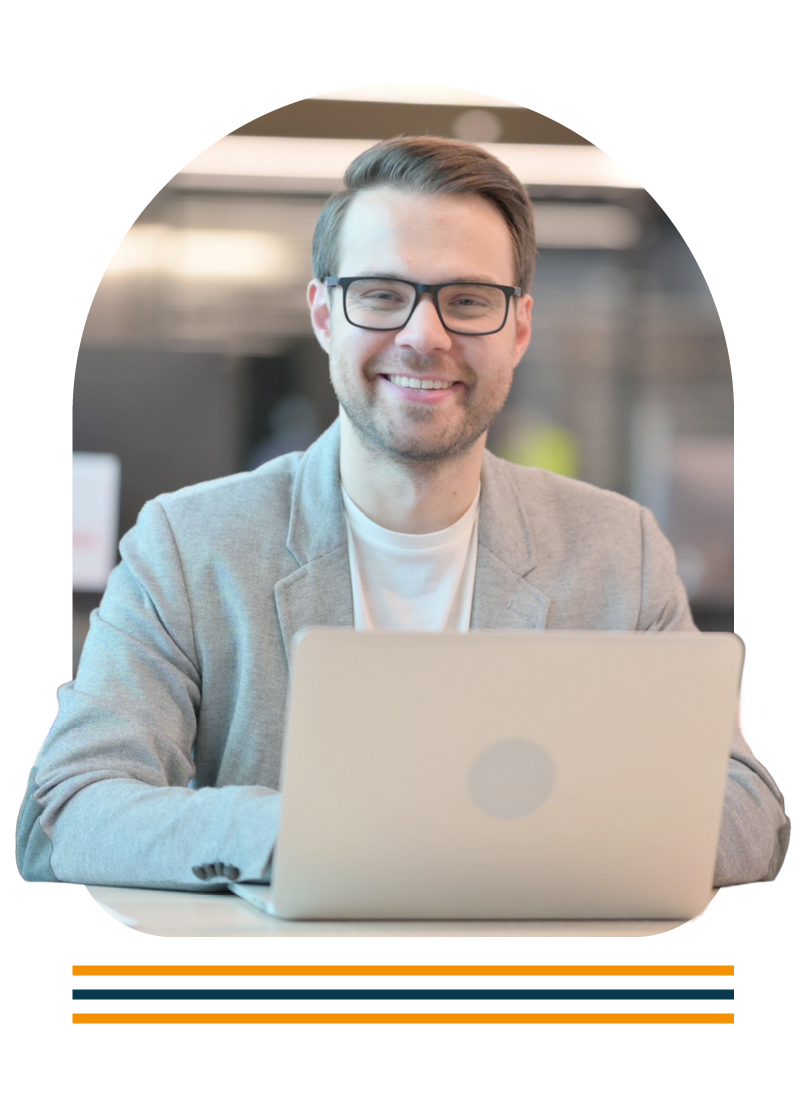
[424, 328]
[162, 767]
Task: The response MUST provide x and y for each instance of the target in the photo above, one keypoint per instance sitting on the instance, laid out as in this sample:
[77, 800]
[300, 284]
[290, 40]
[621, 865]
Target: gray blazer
[162, 766]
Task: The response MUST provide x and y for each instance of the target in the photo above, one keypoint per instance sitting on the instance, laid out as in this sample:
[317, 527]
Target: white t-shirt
[412, 581]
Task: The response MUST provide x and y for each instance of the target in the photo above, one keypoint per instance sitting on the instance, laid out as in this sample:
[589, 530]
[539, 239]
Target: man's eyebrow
[474, 279]
[379, 275]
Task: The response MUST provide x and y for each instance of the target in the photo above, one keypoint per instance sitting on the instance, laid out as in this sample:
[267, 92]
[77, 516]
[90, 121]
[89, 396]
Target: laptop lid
[504, 774]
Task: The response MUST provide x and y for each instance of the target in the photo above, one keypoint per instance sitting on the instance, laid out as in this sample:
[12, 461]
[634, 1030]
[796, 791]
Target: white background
[102, 104]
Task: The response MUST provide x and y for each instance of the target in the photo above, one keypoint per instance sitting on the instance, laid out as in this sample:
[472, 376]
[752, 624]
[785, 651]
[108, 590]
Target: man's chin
[415, 440]
[417, 447]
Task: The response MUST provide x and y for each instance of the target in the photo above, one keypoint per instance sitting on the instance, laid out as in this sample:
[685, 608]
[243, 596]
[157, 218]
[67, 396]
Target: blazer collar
[504, 527]
[319, 593]
[505, 597]
[317, 521]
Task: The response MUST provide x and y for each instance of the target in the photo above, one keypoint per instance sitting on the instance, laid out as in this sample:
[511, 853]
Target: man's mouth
[417, 383]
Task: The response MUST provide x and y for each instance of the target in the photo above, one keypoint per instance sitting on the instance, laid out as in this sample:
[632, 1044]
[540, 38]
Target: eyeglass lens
[386, 305]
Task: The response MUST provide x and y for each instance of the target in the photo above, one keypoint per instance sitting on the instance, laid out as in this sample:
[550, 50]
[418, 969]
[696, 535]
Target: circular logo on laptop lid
[512, 779]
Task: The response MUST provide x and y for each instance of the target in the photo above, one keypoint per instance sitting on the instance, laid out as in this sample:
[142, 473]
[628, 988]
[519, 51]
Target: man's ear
[522, 327]
[319, 302]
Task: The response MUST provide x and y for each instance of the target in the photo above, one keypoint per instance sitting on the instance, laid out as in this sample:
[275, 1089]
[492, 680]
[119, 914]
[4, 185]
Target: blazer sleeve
[754, 834]
[109, 801]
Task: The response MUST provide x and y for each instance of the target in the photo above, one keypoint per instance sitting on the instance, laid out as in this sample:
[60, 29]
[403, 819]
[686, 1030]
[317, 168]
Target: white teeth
[413, 383]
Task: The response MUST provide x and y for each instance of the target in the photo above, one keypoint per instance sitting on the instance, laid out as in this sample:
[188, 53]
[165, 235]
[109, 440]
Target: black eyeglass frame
[344, 283]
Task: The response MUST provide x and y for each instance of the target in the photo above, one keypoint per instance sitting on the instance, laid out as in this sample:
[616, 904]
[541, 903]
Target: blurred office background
[198, 359]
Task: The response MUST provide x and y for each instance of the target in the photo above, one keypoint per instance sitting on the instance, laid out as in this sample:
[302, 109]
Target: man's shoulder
[599, 556]
[570, 525]
[273, 481]
[229, 512]
[250, 514]
[544, 492]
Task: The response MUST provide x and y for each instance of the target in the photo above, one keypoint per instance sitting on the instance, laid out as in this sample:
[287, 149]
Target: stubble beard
[420, 438]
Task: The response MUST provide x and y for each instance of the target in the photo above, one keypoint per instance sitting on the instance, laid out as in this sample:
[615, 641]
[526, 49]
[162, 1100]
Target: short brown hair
[430, 165]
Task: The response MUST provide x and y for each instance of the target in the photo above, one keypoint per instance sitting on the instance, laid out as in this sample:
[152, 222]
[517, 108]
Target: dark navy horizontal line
[402, 993]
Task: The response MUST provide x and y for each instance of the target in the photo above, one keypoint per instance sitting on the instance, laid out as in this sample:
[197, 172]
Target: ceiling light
[205, 254]
[228, 254]
[297, 163]
[415, 95]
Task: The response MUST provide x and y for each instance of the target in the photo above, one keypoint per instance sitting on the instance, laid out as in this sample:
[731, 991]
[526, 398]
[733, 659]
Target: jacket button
[216, 870]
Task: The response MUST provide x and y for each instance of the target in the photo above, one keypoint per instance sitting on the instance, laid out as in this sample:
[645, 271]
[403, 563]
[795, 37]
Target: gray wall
[173, 418]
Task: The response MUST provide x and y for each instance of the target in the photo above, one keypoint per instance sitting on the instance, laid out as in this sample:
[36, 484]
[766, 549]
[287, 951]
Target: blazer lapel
[505, 596]
[319, 592]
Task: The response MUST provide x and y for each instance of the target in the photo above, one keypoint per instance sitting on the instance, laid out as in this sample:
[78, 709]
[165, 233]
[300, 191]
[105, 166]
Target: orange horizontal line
[402, 970]
[408, 1018]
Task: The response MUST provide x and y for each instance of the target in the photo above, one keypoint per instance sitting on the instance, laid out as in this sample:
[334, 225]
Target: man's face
[430, 239]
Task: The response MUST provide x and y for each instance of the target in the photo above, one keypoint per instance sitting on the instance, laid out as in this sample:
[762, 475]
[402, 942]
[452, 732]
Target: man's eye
[466, 302]
[384, 296]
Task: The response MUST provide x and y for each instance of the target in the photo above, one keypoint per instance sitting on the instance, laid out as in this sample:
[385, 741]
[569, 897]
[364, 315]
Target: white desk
[186, 914]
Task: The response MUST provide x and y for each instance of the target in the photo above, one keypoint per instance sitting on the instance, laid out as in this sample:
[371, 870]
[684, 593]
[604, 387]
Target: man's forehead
[392, 206]
[423, 225]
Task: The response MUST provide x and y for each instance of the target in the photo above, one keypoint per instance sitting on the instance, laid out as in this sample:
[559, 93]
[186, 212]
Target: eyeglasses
[382, 303]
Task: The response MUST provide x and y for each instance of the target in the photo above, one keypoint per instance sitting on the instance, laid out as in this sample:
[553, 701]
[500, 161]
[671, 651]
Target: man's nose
[424, 331]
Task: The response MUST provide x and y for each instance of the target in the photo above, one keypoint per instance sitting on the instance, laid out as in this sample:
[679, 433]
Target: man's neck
[407, 496]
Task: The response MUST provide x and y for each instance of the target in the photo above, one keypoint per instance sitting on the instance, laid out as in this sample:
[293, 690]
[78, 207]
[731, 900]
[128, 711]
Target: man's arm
[754, 834]
[109, 801]
[755, 829]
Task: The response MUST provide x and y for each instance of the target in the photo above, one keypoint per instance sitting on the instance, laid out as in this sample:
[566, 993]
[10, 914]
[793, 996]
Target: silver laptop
[501, 774]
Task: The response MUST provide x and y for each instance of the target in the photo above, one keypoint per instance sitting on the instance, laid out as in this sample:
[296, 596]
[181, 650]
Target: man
[162, 767]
